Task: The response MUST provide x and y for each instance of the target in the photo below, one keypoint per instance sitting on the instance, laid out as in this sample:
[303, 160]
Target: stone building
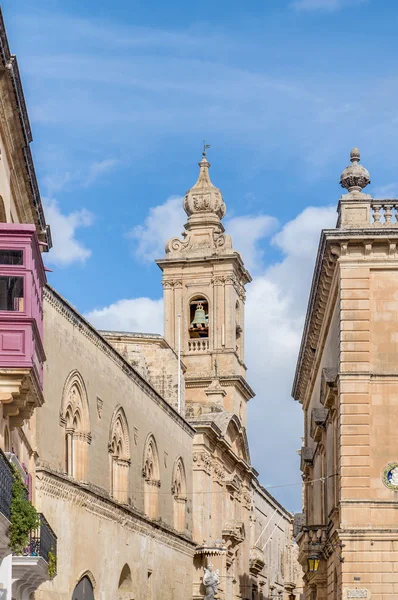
[133, 447]
[346, 380]
[23, 234]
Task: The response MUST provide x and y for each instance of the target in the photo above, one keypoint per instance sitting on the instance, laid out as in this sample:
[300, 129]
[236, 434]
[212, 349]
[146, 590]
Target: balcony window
[11, 257]
[12, 294]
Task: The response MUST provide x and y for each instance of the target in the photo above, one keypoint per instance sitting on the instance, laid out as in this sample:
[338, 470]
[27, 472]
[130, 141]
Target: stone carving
[355, 177]
[202, 461]
[135, 434]
[247, 499]
[211, 580]
[171, 283]
[166, 458]
[204, 196]
[219, 473]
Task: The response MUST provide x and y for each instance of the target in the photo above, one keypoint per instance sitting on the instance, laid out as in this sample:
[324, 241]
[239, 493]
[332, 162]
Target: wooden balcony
[22, 279]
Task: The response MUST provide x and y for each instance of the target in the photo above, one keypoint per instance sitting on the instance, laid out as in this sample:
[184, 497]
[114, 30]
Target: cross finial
[205, 146]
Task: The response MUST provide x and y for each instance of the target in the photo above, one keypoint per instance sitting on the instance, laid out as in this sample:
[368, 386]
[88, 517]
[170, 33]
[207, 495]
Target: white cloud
[275, 312]
[163, 222]
[138, 314]
[66, 248]
[246, 233]
[324, 5]
[97, 169]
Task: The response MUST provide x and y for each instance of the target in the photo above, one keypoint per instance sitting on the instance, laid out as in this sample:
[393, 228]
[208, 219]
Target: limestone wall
[155, 360]
[83, 511]
[271, 535]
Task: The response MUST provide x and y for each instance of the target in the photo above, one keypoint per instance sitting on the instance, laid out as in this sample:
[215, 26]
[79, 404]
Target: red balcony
[22, 278]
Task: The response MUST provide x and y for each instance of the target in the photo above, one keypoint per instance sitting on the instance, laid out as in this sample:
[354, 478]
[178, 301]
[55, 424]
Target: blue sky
[120, 96]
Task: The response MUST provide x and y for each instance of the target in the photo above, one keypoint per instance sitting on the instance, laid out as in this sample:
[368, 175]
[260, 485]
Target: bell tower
[204, 282]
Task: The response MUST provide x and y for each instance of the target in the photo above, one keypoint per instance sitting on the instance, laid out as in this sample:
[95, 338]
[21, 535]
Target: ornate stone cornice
[71, 315]
[336, 244]
[60, 487]
[23, 160]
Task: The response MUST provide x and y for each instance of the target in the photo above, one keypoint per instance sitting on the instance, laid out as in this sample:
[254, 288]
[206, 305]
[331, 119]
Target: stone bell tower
[204, 282]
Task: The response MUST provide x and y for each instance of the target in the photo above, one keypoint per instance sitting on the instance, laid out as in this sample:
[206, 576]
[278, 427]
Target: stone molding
[336, 245]
[95, 501]
[71, 315]
[204, 380]
[25, 160]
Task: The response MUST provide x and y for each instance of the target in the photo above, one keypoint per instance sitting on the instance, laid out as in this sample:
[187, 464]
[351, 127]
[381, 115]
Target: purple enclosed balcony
[22, 278]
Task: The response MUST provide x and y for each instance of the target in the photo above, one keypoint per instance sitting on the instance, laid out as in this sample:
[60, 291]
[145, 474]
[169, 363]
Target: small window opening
[199, 318]
[11, 257]
[12, 294]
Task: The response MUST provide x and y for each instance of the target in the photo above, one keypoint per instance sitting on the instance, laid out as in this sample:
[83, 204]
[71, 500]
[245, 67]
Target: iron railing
[6, 479]
[42, 541]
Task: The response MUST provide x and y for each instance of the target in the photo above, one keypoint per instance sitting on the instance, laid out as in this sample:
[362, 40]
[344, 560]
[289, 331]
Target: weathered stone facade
[346, 380]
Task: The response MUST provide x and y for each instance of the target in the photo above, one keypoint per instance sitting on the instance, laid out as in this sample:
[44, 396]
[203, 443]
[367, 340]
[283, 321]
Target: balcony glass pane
[11, 257]
[11, 294]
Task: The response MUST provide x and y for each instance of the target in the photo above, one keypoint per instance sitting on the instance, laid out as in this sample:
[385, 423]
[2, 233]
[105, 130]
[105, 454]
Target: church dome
[204, 198]
[355, 177]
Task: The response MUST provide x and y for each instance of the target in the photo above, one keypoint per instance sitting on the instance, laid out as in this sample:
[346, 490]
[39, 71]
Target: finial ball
[355, 177]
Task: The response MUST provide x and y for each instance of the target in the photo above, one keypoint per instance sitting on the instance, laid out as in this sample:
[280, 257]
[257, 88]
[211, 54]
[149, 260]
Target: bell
[199, 319]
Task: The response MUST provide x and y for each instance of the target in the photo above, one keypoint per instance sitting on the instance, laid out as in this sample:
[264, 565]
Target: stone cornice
[95, 500]
[234, 257]
[71, 314]
[11, 72]
[148, 339]
[226, 381]
[333, 244]
[214, 433]
[261, 491]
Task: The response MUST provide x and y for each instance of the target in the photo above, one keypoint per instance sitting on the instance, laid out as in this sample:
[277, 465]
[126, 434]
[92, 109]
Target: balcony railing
[198, 345]
[42, 541]
[5, 486]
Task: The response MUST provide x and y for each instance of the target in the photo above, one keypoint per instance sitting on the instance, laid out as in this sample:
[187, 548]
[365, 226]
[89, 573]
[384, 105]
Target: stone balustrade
[198, 345]
[384, 213]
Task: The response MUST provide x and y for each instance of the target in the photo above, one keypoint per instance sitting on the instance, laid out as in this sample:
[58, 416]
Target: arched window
[179, 491]
[119, 451]
[198, 318]
[125, 588]
[151, 474]
[84, 590]
[75, 419]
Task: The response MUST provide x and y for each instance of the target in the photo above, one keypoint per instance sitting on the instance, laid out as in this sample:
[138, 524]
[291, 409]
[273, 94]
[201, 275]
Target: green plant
[24, 516]
[52, 563]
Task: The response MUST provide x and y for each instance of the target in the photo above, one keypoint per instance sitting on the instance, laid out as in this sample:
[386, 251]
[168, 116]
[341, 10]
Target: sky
[121, 96]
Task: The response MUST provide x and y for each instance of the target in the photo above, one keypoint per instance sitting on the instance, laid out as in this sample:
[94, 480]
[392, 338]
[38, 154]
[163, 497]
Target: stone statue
[210, 581]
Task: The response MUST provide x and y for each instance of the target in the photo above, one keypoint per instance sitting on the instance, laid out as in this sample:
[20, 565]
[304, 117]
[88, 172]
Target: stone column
[178, 310]
[168, 299]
